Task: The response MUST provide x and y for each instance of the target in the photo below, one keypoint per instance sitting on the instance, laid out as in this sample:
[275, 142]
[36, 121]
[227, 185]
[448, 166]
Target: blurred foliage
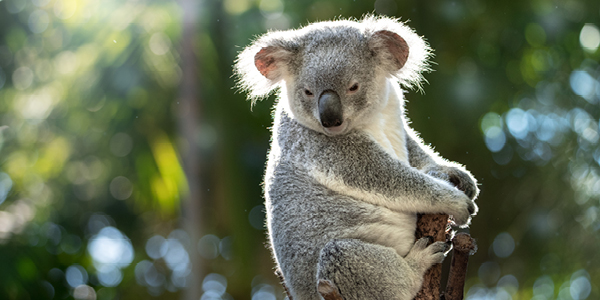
[93, 189]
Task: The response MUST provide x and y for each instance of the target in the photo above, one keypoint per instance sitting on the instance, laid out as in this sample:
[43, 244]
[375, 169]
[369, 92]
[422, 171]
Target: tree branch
[464, 246]
[434, 226]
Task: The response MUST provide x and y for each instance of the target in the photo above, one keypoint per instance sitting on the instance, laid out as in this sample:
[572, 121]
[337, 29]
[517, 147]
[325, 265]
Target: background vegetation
[130, 168]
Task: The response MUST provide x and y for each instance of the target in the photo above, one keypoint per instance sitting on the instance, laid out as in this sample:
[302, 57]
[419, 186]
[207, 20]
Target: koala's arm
[425, 159]
[356, 166]
[420, 156]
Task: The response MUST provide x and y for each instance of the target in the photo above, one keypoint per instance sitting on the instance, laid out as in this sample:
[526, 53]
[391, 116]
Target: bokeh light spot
[256, 216]
[48, 288]
[216, 283]
[495, 139]
[64, 9]
[491, 119]
[580, 286]
[35, 107]
[160, 43]
[121, 144]
[548, 126]
[281, 22]
[271, 9]
[39, 21]
[156, 247]
[208, 246]
[226, 248]
[535, 34]
[112, 247]
[489, 272]
[66, 62]
[84, 292]
[236, 7]
[263, 292]
[109, 276]
[509, 283]
[15, 6]
[517, 123]
[544, 287]
[121, 188]
[583, 84]
[177, 257]
[503, 245]
[22, 78]
[589, 37]
[140, 272]
[76, 275]
[71, 244]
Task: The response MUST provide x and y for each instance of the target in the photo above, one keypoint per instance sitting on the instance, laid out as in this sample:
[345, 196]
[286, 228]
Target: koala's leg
[365, 271]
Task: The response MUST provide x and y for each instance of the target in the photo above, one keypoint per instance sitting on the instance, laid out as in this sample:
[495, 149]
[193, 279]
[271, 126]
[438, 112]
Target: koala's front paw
[460, 179]
[421, 257]
[462, 209]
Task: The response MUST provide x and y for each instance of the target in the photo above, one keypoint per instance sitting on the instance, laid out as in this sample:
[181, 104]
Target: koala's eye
[308, 93]
[354, 87]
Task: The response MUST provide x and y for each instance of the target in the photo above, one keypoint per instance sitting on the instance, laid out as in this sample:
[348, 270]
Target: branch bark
[435, 226]
[464, 246]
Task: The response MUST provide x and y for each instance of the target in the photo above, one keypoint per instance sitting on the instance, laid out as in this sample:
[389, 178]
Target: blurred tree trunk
[188, 119]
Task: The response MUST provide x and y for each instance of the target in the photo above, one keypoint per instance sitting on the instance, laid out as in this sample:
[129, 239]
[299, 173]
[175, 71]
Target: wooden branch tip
[464, 246]
[328, 290]
[464, 243]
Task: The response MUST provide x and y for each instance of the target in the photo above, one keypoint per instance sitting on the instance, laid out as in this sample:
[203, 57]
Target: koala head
[333, 75]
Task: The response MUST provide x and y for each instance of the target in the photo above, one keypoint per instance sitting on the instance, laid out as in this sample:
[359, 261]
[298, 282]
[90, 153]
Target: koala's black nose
[330, 109]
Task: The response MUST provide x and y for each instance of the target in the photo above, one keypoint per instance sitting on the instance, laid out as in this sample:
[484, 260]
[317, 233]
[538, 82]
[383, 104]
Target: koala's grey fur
[342, 201]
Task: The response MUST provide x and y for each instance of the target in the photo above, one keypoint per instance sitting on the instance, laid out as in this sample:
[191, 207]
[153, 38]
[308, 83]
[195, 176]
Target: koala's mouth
[336, 130]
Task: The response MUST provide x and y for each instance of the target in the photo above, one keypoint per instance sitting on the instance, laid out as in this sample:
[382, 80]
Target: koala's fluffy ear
[263, 65]
[392, 47]
[401, 52]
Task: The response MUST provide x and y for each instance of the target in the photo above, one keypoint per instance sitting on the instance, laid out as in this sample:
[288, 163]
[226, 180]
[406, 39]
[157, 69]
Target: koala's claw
[463, 182]
[460, 179]
[448, 246]
[472, 208]
[421, 243]
[463, 211]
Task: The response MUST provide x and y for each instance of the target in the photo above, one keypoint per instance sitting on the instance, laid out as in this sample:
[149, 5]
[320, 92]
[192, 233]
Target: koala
[346, 176]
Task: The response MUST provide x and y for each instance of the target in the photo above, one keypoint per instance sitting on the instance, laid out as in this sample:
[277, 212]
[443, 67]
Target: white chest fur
[388, 129]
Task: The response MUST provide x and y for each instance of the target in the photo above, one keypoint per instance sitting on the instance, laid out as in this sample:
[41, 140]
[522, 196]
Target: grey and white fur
[346, 175]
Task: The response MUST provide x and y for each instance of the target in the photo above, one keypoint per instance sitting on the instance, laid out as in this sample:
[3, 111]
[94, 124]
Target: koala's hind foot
[366, 271]
[421, 257]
